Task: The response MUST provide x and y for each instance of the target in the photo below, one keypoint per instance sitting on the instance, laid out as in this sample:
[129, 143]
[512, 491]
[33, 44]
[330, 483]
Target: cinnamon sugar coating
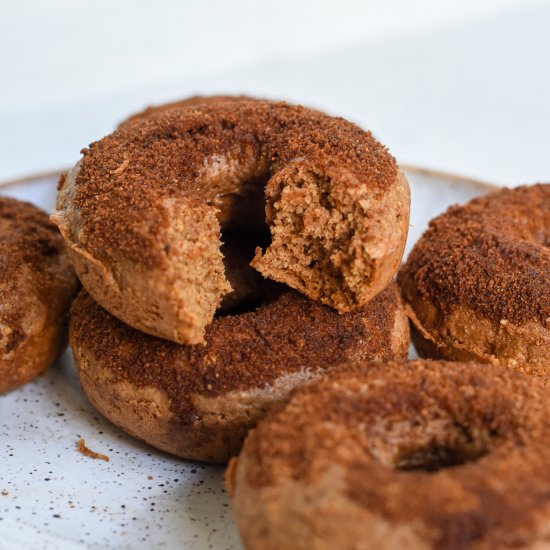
[210, 395]
[412, 455]
[478, 281]
[142, 210]
[36, 287]
[192, 101]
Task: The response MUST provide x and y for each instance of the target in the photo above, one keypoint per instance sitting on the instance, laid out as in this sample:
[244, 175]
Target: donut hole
[250, 290]
[459, 446]
[436, 457]
[241, 206]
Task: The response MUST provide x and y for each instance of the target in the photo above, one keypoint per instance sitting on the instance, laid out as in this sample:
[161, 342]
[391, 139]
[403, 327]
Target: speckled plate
[53, 497]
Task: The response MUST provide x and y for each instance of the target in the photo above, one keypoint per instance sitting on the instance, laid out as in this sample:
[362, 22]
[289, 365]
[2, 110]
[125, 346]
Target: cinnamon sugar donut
[199, 401]
[37, 285]
[477, 284]
[415, 455]
[142, 210]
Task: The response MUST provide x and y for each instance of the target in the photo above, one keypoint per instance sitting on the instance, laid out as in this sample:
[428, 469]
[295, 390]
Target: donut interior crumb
[81, 446]
[311, 249]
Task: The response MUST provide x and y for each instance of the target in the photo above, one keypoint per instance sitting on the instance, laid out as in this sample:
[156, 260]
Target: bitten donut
[199, 401]
[37, 285]
[477, 284]
[420, 455]
[143, 209]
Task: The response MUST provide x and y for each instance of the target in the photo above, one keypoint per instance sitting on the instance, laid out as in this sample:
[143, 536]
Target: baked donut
[37, 285]
[199, 401]
[143, 209]
[414, 455]
[477, 284]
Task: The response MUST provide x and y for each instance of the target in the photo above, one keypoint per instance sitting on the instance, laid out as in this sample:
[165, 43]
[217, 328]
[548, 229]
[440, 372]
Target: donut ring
[139, 211]
[477, 284]
[198, 402]
[37, 285]
[362, 459]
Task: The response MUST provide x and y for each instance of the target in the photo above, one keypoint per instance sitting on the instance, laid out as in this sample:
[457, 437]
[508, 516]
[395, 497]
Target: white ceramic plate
[53, 497]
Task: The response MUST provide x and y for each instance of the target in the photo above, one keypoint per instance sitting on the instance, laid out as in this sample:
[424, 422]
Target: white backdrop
[462, 86]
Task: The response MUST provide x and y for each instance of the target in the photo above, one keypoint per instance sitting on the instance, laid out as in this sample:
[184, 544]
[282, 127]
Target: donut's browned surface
[477, 283]
[199, 401]
[192, 101]
[141, 211]
[414, 455]
[37, 285]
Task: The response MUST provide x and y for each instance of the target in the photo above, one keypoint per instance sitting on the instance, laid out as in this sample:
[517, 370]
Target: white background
[462, 86]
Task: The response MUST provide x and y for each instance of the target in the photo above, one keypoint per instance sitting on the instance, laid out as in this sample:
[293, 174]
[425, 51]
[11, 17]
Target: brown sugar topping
[192, 101]
[242, 352]
[167, 154]
[463, 448]
[491, 255]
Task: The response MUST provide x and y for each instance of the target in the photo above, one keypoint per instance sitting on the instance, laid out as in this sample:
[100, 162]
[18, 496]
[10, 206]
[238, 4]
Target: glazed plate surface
[52, 497]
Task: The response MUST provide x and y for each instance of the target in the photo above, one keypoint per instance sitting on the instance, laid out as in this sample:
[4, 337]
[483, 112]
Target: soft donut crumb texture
[477, 283]
[142, 210]
[199, 401]
[412, 455]
[317, 248]
[37, 285]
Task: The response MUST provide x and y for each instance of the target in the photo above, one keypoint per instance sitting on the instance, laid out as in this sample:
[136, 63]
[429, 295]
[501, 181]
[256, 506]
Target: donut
[143, 210]
[37, 285]
[477, 283]
[198, 401]
[414, 455]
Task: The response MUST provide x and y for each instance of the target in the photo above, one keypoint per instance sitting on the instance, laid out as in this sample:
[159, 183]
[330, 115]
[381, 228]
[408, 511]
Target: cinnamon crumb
[81, 446]
[5, 493]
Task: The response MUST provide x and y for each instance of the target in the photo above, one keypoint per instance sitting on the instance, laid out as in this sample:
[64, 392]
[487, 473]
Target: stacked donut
[230, 250]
